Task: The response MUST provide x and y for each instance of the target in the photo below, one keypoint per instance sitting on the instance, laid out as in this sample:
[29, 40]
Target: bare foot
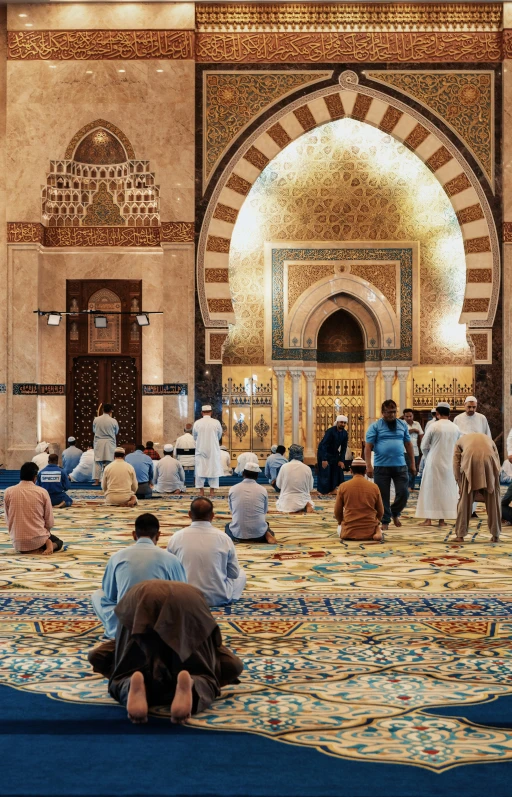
[96, 483]
[270, 538]
[309, 509]
[441, 523]
[377, 535]
[137, 705]
[426, 522]
[212, 493]
[385, 526]
[60, 506]
[397, 522]
[181, 706]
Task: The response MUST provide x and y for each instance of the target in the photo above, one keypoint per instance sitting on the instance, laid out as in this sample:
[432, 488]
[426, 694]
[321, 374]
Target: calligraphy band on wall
[33, 389]
[19, 232]
[167, 389]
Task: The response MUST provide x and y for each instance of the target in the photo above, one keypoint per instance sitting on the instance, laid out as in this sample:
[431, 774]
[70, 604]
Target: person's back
[169, 475]
[359, 508]
[184, 449]
[478, 459]
[294, 478]
[248, 503]
[150, 451]
[142, 465]
[119, 482]
[70, 458]
[273, 465]
[28, 512]
[84, 471]
[226, 461]
[105, 427]
[55, 481]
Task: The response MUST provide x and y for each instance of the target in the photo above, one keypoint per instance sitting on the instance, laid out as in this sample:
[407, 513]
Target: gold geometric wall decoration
[463, 100]
[231, 100]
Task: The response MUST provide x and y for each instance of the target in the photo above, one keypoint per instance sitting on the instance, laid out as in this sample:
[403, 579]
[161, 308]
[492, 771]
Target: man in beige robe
[476, 467]
[119, 482]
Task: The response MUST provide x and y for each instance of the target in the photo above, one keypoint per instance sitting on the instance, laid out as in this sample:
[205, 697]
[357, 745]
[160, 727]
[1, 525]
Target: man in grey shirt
[248, 503]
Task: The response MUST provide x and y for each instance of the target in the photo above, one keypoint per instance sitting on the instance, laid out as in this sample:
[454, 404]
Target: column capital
[403, 373]
[310, 374]
[296, 374]
[388, 374]
[372, 374]
[281, 372]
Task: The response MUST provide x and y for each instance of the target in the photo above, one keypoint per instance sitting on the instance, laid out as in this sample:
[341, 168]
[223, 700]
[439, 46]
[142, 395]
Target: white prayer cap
[71, 439]
[358, 462]
[42, 446]
[340, 418]
[444, 404]
[224, 448]
[274, 449]
[471, 398]
[206, 408]
[119, 450]
[168, 448]
[253, 467]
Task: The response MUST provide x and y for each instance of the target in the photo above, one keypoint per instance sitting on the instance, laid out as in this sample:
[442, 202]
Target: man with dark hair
[119, 482]
[274, 463]
[144, 471]
[140, 562]
[29, 515]
[55, 481]
[358, 507]
[387, 438]
[208, 556]
[438, 492]
[248, 503]
[150, 450]
[416, 434]
[105, 429]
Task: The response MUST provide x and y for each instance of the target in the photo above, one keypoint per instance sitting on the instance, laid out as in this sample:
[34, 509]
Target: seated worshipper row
[168, 651]
[358, 507]
[248, 504]
[295, 483]
[144, 471]
[119, 482]
[55, 481]
[331, 457]
[29, 515]
[169, 474]
[273, 465]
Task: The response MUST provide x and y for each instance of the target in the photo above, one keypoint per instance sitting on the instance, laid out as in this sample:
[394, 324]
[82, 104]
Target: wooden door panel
[123, 392]
[86, 391]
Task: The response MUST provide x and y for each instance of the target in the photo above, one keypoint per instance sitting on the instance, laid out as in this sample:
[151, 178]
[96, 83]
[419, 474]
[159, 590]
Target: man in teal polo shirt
[387, 438]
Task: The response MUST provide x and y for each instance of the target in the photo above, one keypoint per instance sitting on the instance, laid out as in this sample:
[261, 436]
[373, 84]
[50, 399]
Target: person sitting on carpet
[55, 481]
[144, 471]
[71, 456]
[169, 473]
[243, 459]
[150, 450]
[84, 471]
[208, 556]
[248, 504]
[168, 651]
[273, 465]
[29, 515]
[42, 454]
[143, 561]
[295, 482]
[358, 507]
[119, 482]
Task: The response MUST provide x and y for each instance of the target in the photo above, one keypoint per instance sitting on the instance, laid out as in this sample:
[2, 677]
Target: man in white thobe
[295, 482]
[169, 474]
[105, 429]
[42, 454]
[184, 448]
[471, 421]
[226, 461]
[207, 433]
[84, 471]
[439, 492]
[243, 459]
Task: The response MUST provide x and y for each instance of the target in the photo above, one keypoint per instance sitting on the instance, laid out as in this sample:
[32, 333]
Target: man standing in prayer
[84, 471]
[105, 429]
[55, 481]
[207, 433]
[438, 492]
[71, 456]
[295, 483]
[274, 464]
[472, 421]
[168, 651]
[119, 482]
[185, 448]
[331, 457]
[248, 504]
[169, 473]
[208, 556]
[149, 450]
[387, 438]
[416, 434]
[143, 561]
[476, 466]
[42, 454]
[143, 467]
[29, 515]
[358, 507]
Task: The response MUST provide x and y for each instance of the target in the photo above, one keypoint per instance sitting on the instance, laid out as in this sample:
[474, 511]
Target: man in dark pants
[506, 510]
[331, 457]
[387, 438]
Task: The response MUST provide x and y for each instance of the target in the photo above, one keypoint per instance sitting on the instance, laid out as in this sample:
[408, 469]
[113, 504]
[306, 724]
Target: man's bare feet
[377, 535]
[426, 522]
[397, 522]
[309, 509]
[60, 506]
[441, 523]
[212, 493]
[137, 705]
[201, 491]
[385, 526]
[270, 538]
[181, 706]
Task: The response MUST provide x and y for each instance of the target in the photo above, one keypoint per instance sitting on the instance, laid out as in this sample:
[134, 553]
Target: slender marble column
[403, 375]
[310, 374]
[296, 375]
[389, 377]
[281, 376]
[371, 375]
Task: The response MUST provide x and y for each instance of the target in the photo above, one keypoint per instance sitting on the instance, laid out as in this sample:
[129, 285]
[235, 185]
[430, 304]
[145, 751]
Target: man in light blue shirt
[273, 465]
[143, 561]
[387, 438]
[144, 471]
[208, 556]
[248, 504]
[71, 456]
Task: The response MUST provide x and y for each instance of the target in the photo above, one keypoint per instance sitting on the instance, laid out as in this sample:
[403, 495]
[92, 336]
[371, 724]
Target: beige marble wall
[3, 249]
[101, 16]
[507, 247]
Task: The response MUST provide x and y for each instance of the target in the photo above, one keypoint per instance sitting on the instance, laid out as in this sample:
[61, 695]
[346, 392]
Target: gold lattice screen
[341, 397]
[247, 416]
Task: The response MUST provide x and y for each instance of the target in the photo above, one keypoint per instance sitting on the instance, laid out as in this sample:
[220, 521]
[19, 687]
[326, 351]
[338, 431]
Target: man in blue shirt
[144, 471]
[71, 456]
[143, 561]
[387, 438]
[273, 465]
[55, 481]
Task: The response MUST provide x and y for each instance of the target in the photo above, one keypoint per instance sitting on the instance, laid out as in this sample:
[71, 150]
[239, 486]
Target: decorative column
[389, 377]
[281, 376]
[403, 375]
[371, 375]
[296, 375]
[310, 374]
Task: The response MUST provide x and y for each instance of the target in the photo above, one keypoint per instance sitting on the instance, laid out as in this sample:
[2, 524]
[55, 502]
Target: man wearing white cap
[470, 420]
[71, 456]
[169, 474]
[438, 492]
[119, 482]
[207, 433]
[358, 507]
[185, 448]
[243, 459]
[42, 454]
[248, 504]
[331, 457]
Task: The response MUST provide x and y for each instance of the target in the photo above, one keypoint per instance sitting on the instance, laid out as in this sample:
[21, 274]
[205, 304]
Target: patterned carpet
[347, 647]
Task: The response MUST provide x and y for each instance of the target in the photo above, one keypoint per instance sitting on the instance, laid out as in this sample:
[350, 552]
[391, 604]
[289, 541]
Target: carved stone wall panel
[99, 45]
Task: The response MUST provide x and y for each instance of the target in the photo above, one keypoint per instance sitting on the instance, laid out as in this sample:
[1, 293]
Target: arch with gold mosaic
[90, 127]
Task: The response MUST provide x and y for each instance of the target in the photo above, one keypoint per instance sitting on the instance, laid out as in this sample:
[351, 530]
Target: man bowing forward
[207, 433]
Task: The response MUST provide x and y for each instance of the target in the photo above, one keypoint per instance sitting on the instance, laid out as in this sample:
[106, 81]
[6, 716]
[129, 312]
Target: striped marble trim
[390, 115]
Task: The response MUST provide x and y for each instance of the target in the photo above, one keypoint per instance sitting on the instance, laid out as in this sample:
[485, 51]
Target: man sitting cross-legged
[168, 650]
[119, 482]
[29, 515]
[140, 562]
[169, 473]
[208, 556]
[248, 504]
[295, 482]
[55, 481]
[358, 507]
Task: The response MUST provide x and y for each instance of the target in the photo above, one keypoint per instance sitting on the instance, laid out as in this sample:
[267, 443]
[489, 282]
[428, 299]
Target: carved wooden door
[85, 389]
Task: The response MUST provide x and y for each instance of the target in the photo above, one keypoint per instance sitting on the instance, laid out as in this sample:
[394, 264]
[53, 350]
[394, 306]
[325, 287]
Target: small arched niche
[339, 337]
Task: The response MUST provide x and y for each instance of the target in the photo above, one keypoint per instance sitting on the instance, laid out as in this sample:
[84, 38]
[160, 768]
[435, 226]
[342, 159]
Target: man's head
[296, 452]
[442, 411]
[150, 445]
[107, 409]
[251, 471]
[358, 466]
[470, 405]
[43, 447]
[187, 428]
[168, 449]
[409, 416]
[147, 525]
[341, 422]
[119, 453]
[201, 508]
[389, 410]
[71, 441]
[273, 449]
[206, 409]
[53, 459]
[139, 448]
[281, 450]
[28, 472]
